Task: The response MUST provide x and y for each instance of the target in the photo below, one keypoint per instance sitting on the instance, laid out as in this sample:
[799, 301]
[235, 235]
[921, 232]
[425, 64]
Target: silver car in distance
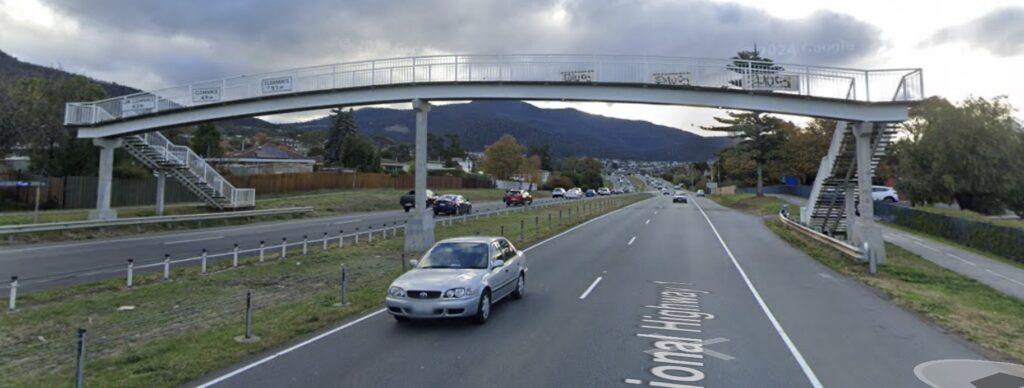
[459, 277]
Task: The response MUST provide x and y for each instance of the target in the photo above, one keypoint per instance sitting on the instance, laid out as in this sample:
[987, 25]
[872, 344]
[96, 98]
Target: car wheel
[890, 199]
[483, 310]
[401, 319]
[520, 288]
[406, 210]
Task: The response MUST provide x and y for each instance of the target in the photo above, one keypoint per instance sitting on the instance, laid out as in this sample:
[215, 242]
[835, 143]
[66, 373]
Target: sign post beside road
[26, 184]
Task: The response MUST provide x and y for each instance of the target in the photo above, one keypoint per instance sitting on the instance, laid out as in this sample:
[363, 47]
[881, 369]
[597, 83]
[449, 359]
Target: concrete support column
[419, 234]
[868, 231]
[161, 184]
[106, 176]
[849, 196]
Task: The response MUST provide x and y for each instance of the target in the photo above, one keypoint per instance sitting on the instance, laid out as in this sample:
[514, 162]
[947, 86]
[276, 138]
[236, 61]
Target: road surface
[756, 313]
[31, 262]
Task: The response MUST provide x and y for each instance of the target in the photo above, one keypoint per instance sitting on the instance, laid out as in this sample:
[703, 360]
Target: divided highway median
[170, 332]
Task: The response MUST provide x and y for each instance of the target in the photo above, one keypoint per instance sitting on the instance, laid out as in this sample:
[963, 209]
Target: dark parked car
[518, 197]
[590, 193]
[452, 204]
[408, 201]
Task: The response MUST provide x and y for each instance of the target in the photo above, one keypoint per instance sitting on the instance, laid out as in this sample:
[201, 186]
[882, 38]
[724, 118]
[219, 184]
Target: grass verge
[181, 330]
[325, 204]
[638, 184]
[958, 304]
[751, 203]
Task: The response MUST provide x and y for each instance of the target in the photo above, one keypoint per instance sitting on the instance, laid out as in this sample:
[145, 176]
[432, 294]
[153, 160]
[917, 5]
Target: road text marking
[591, 288]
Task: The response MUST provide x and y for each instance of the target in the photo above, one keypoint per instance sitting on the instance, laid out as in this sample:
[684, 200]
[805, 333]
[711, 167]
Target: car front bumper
[432, 308]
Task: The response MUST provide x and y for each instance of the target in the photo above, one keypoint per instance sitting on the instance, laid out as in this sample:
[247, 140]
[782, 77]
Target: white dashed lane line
[960, 258]
[591, 288]
[631, 241]
[1004, 277]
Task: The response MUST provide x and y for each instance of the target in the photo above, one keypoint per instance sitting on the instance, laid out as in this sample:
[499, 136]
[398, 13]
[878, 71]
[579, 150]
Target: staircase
[838, 170]
[180, 162]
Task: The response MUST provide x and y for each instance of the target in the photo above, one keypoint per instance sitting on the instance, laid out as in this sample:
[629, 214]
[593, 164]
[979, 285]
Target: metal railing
[184, 156]
[781, 78]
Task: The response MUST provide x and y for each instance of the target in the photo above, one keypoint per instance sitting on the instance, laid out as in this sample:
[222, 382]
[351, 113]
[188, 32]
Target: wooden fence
[79, 192]
[290, 183]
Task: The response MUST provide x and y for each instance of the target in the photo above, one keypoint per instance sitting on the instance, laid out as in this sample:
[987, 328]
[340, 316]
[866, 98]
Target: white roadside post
[131, 272]
[234, 256]
[204, 261]
[12, 298]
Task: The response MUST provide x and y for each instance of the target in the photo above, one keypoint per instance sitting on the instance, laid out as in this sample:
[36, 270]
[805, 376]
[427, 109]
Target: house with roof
[266, 159]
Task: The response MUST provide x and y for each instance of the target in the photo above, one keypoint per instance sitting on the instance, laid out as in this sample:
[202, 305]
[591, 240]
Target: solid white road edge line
[591, 288]
[1004, 276]
[288, 350]
[764, 307]
[194, 240]
[378, 312]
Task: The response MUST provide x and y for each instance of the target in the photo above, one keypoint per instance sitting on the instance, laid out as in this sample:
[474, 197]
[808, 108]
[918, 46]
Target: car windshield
[456, 255]
[448, 197]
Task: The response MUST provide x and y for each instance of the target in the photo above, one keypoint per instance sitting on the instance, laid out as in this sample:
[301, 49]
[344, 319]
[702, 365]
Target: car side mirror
[414, 262]
[499, 263]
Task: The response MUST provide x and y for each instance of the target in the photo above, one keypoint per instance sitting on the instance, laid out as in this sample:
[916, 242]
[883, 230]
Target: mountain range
[569, 132]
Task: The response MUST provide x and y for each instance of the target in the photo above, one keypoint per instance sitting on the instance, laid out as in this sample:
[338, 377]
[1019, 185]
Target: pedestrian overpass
[864, 102]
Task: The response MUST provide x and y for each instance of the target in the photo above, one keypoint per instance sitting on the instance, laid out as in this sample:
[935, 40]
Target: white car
[459, 277]
[558, 192]
[574, 193]
[884, 193]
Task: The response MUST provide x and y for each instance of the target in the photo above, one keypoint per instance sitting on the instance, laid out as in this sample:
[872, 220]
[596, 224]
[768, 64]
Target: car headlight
[396, 292]
[455, 293]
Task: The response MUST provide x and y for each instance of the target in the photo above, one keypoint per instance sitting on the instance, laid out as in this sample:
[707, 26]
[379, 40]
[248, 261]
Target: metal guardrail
[841, 246]
[60, 226]
[781, 78]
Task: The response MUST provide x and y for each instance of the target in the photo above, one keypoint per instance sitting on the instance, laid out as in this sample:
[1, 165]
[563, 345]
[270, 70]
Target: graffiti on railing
[578, 76]
[671, 78]
[771, 81]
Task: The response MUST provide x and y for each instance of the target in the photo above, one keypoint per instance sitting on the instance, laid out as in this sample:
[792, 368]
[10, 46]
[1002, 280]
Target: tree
[504, 158]
[801, 149]
[343, 125]
[452, 149]
[584, 172]
[260, 138]
[530, 170]
[749, 70]
[206, 141]
[359, 153]
[967, 152]
[759, 135]
[34, 117]
[544, 152]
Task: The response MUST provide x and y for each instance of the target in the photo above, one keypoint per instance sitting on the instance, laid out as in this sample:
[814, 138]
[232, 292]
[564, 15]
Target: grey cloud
[228, 37]
[1000, 31]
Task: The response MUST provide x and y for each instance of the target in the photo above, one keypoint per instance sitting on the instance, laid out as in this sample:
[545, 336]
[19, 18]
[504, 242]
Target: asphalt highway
[39, 266]
[655, 294]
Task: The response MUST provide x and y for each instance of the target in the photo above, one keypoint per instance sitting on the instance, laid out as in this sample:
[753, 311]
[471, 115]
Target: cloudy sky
[965, 47]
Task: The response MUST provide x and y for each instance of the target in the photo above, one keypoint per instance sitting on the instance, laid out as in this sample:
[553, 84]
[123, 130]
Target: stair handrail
[185, 156]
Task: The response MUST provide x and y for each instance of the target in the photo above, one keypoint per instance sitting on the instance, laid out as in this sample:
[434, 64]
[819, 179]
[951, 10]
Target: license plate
[420, 309]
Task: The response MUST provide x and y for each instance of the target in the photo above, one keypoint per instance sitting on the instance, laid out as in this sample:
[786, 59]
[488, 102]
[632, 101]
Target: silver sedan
[459, 277]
